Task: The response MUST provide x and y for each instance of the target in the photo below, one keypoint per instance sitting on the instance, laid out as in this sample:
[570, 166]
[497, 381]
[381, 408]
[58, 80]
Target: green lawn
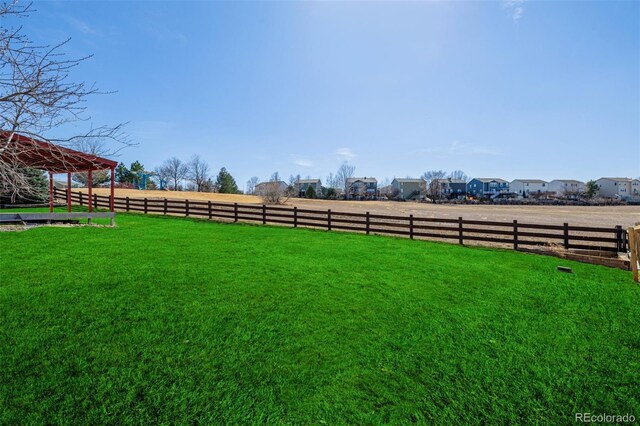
[178, 321]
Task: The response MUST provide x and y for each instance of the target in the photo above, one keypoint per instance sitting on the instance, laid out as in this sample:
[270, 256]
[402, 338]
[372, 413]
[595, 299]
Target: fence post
[634, 245]
[210, 212]
[80, 196]
[295, 217]
[264, 214]
[95, 201]
[186, 208]
[127, 204]
[460, 235]
[620, 239]
[235, 212]
[515, 234]
[329, 220]
[411, 226]
[145, 205]
[566, 236]
[165, 206]
[368, 223]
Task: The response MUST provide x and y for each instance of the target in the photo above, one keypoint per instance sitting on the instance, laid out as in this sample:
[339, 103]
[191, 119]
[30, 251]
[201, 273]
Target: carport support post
[69, 192]
[50, 192]
[112, 200]
[90, 181]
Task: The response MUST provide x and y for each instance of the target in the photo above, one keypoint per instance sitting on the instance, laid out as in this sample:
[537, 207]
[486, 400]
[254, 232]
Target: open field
[176, 321]
[605, 216]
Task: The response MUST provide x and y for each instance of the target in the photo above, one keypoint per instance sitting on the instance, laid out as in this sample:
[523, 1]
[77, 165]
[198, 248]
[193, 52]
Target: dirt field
[606, 216]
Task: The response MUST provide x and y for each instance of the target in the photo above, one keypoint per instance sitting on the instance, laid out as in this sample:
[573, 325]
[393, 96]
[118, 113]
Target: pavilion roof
[30, 152]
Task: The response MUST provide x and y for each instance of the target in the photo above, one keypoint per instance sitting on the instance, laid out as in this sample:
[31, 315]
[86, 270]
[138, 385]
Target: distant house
[410, 189]
[635, 188]
[486, 187]
[302, 185]
[563, 187]
[526, 187]
[264, 187]
[362, 188]
[453, 188]
[614, 187]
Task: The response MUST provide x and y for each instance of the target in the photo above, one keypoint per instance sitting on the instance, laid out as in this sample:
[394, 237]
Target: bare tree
[175, 171]
[99, 148]
[37, 96]
[332, 182]
[294, 179]
[276, 191]
[392, 193]
[251, 185]
[345, 171]
[162, 174]
[434, 183]
[198, 172]
[459, 174]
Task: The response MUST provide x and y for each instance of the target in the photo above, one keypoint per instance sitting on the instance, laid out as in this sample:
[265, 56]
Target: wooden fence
[634, 252]
[508, 234]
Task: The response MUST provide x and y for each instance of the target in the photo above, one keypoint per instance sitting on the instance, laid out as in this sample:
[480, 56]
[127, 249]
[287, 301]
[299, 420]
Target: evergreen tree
[136, 166]
[123, 175]
[36, 192]
[591, 189]
[310, 192]
[225, 183]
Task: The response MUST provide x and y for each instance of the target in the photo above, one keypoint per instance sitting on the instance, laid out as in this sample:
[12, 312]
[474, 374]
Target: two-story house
[486, 187]
[566, 187]
[614, 187]
[527, 187]
[302, 185]
[635, 188]
[453, 188]
[363, 188]
[409, 189]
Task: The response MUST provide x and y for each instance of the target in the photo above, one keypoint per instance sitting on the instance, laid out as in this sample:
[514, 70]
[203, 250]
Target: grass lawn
[176, 321]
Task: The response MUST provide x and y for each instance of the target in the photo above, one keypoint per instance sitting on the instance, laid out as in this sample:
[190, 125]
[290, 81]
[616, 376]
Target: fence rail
[512, 234]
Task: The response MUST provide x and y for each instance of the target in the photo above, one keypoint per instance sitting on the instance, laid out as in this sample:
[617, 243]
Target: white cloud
[302, 162]
[458, 149]
[345, 154]
[81, 26]
[515, 8]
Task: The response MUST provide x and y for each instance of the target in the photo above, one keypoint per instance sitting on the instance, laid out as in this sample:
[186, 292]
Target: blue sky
[498, 89]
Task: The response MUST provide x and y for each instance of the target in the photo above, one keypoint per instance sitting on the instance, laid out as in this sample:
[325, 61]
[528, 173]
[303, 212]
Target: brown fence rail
[510, 234]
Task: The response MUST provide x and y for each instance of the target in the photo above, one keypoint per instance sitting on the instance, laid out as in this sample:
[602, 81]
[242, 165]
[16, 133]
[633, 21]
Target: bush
[310, 192]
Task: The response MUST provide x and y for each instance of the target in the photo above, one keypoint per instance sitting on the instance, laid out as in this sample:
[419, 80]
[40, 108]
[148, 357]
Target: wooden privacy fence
[634, 250]
[511, 234]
